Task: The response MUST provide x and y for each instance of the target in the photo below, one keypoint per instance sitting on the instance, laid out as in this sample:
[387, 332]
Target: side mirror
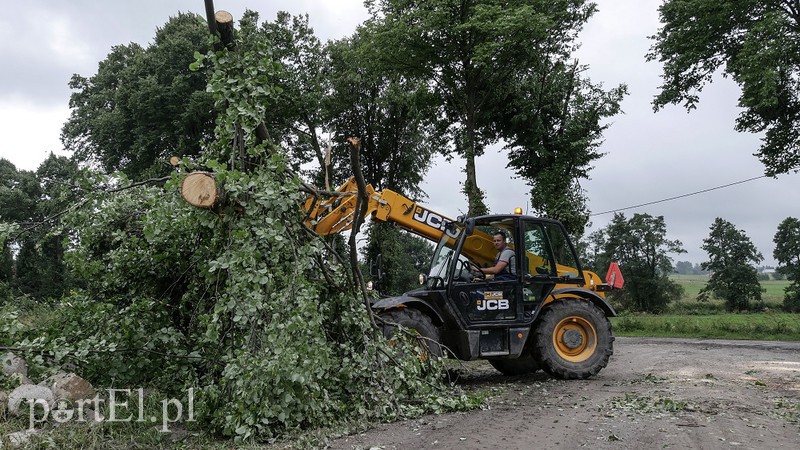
[469, 227]
[423, 278]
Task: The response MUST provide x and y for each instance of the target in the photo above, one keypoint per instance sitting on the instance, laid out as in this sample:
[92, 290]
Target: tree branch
[83, 202]
[139, 183]
[361, 206]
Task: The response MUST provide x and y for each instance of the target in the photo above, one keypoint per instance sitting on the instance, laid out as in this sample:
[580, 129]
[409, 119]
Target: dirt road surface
[655, 393]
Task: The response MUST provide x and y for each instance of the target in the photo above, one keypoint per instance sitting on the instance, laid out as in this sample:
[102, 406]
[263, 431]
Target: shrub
[791, 299]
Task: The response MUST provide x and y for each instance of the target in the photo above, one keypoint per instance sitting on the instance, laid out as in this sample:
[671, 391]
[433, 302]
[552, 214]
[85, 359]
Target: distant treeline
[687, 268]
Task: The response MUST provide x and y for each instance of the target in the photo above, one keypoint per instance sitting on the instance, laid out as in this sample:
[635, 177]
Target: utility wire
[678, 196]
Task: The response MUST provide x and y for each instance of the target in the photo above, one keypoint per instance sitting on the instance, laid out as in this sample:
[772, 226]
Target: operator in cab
[504, 268]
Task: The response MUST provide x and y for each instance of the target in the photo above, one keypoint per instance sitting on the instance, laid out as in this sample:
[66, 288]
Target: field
[693, 283]
[763, 326]
[692, 319]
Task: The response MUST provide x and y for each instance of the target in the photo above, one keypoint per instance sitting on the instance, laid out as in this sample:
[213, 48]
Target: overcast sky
[649, 156]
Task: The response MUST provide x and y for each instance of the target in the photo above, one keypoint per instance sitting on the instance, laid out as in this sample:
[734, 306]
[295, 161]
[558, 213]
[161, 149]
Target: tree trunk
[474, 194]
[224, 21]
[212, 24]
[200, 189]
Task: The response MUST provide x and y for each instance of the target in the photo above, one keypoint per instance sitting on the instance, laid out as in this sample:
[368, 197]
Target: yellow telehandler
[549, 314]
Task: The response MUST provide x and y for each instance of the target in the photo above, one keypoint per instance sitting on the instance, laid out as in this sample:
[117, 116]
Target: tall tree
[757, 43]
[730, 258]
[787, 252]
[391, 114]
[471, 52]
[296, 117]
[143, 104]
[6, 265]
[684, 268]
[553, 126]
[28, 199]
[19, 194]
[641, 248]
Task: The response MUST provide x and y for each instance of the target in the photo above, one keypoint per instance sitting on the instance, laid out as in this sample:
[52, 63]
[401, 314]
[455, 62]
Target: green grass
[766, 326]
[689, 318]
[773, 289]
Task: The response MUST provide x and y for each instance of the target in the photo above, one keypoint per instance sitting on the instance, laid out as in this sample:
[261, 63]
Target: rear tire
[573, 339]
[414, 319]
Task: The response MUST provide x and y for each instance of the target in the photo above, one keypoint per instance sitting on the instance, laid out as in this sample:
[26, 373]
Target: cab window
[562, 251]
[538, 260]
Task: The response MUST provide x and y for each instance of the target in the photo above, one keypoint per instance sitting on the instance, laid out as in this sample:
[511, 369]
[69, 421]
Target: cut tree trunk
[224, 21]
[200, 189]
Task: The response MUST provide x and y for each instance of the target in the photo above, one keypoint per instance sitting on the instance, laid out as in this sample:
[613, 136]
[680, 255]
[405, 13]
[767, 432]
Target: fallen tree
[263, 318]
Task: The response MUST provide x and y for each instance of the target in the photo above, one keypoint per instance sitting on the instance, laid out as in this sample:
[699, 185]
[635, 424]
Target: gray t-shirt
[507, 255]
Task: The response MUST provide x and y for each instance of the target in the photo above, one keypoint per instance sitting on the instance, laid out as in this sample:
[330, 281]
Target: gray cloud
[49, 41]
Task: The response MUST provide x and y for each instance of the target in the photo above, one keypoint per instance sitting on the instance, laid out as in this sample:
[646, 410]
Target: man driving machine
[503, 268]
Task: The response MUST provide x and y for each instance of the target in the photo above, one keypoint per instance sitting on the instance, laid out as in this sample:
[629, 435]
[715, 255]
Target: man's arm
[499, 267]
[502, 262]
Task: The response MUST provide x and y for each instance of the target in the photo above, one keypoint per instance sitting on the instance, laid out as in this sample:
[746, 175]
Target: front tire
[573, 339]
[525, 364]
[413, 319]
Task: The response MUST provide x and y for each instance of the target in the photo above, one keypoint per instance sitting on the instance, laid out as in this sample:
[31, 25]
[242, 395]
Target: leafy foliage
[143, 104]
[687, 268]
[18, 195]
[753, 41]
[485, 62]
[404, 257]
[730, 254]
[392, 114]
[640, 246]
[28, 199]
[553, 127]
[297, 115]
[787, 252]
[249, 307]
[6, 261]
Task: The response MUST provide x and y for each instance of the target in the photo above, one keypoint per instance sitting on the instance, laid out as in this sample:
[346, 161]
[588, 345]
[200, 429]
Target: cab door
[486, 301]
[539, 269]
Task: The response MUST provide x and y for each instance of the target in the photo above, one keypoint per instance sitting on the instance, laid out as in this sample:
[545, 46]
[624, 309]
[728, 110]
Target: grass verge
[764, 326]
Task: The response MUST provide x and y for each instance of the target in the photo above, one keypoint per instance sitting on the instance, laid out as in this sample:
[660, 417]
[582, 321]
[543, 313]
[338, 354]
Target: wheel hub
[572, 338]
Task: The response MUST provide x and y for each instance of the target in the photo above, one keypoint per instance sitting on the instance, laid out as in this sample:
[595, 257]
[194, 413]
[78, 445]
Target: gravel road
[655, 393]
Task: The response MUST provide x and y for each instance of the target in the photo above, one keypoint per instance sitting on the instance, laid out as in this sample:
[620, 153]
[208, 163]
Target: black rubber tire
[584, 351]
[415, 320]
[525, 364]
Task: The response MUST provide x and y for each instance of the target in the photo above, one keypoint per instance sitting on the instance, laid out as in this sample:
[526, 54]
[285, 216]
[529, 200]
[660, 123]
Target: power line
[678, 196]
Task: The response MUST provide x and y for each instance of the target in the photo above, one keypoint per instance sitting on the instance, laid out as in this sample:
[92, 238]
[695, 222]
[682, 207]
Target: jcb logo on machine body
[492, 305]
[432, 219]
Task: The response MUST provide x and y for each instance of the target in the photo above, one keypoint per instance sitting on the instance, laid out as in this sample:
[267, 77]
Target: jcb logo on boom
[432, 219]
[492, 305]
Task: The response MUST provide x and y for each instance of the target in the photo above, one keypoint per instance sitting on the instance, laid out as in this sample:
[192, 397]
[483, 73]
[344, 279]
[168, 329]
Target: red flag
[614, 276]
